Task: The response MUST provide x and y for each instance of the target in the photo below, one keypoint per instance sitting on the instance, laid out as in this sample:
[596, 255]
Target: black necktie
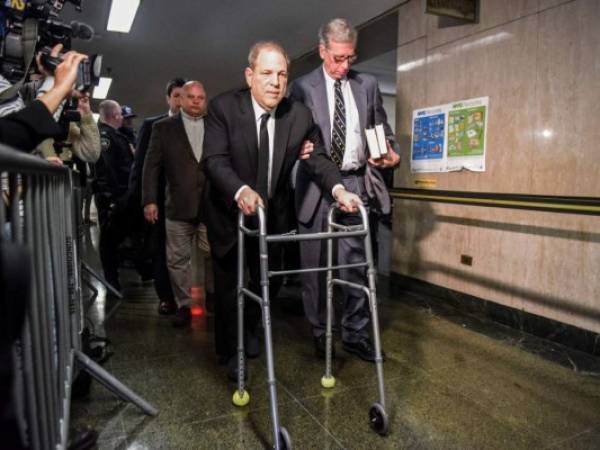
[262, 176]
[338, 132]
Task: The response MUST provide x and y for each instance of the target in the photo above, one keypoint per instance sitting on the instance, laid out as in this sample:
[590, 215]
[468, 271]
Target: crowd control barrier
[41, 299]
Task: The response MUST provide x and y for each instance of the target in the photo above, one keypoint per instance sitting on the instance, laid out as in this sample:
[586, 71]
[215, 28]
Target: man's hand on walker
[348, 201]
[248, 201]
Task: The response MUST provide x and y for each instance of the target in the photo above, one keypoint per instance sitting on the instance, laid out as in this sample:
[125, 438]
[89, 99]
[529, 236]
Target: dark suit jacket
[170, 150]
[230, 160]
[135, 177]
[312, 91]
[28, 127]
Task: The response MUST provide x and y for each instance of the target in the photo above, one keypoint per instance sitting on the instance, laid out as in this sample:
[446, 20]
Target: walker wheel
[285, 442]
[328, 382]
[378, 419]
[241, 399]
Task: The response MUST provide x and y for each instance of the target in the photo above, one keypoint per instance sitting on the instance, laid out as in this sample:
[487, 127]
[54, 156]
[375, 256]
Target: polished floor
[452, 382]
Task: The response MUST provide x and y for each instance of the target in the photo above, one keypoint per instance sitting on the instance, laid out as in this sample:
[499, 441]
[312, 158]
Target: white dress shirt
[194, 128]
[354, 153]
[258, 112]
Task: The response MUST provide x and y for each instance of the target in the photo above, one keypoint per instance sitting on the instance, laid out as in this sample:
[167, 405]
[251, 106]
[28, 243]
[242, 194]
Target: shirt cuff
[46, 85]
[335, 188]
[238, 192]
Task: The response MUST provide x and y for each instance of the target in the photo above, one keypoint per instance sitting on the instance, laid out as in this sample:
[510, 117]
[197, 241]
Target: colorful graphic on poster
[466, 134]
[450, 137]
[428, 140]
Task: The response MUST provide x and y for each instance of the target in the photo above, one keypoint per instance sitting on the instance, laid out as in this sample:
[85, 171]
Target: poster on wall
[450, 137]
[466, 134]
[428, 142]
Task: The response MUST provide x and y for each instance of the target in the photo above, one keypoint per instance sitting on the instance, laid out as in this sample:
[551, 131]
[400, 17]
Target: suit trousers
[226, 292]
[156, 239]
[180, 240]
[355, 316]
[114, 228]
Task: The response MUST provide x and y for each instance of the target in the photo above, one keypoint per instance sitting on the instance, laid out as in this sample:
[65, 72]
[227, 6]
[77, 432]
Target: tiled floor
[447, 386]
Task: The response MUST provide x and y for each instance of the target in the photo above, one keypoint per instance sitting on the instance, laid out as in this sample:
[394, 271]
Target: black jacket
[135, 177]
[170, 152]
[26, 128]
[112, 169]
[230, 160]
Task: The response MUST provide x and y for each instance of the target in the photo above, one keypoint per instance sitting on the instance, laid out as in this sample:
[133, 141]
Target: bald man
[176, 147]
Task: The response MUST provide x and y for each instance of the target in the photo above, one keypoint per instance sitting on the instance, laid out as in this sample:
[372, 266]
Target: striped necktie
[338, 133]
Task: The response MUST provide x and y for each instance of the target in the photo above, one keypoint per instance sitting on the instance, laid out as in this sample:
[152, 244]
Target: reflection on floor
[451, 382]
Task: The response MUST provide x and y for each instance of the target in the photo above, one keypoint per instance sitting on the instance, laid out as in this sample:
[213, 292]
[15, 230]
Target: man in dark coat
[253, 139]
[154, 237]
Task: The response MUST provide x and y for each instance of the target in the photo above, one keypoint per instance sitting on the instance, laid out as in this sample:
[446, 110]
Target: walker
[378, 418]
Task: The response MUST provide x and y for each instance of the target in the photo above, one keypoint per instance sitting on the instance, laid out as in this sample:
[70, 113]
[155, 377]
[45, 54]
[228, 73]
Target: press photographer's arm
[31, 125]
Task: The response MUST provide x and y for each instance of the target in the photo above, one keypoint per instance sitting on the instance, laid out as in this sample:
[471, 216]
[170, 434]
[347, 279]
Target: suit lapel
[248, 126]
[360, 98]
[282, 132]
[183, 137]
[320, 105]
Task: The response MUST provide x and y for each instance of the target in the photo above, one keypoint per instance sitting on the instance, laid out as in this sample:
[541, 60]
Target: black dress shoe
[252, 345]
[183, 317]
[320, 345]
[166, 308]
[364, 349]
[232, 369]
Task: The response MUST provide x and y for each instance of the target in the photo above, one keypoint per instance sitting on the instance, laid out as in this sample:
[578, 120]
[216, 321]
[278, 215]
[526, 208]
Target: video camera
[16, 19]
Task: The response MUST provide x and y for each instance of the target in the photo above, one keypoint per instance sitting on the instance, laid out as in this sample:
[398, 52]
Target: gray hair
[108, 108]
[263, 45]
[191, 83]
[338, 30]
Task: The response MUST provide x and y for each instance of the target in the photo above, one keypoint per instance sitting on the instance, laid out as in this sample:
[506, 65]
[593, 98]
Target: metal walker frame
[378, 418]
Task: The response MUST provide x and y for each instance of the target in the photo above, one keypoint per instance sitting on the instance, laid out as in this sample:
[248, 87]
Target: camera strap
[29, 39]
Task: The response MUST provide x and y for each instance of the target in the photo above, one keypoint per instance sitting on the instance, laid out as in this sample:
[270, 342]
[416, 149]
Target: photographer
[80, 132]
[26, 128]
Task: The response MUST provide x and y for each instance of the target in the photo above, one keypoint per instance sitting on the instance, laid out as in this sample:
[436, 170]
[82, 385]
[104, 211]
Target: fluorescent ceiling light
[101, 90]
[122, 13]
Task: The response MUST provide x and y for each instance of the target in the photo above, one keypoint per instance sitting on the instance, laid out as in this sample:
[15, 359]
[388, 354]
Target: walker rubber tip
[327, 382]
[241, 399]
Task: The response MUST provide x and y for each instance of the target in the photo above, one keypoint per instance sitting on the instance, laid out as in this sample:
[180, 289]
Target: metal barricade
[378, 418]
[38, 233]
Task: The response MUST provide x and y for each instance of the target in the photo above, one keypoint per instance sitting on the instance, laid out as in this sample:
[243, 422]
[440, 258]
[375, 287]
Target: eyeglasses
[340, 59]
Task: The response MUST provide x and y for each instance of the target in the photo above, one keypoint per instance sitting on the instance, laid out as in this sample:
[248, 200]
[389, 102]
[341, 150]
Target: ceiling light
[101, 90]
[122, 13]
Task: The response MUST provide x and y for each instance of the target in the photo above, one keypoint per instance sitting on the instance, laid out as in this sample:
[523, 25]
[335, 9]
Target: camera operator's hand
[38, 60]
[64, 78]
[83, 103]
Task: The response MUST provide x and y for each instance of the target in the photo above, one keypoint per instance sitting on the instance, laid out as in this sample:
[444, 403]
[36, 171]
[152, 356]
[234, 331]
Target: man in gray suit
[176, 147]
[343, 104]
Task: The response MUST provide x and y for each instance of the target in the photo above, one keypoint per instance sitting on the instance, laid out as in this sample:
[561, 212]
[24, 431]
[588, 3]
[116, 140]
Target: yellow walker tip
[241, 400]
[327, 382]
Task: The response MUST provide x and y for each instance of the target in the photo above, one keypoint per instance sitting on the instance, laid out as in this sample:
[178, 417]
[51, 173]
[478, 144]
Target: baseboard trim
[542, 327]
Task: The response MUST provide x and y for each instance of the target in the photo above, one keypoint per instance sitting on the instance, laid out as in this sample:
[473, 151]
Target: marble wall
[539, 63]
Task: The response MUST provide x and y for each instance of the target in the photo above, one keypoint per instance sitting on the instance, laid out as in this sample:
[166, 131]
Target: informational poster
[450, 137]
[428, 141]
[466, 134]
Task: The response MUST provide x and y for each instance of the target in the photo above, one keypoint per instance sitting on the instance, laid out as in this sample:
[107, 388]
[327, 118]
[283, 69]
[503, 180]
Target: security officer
[127, 127]
[110, 188]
